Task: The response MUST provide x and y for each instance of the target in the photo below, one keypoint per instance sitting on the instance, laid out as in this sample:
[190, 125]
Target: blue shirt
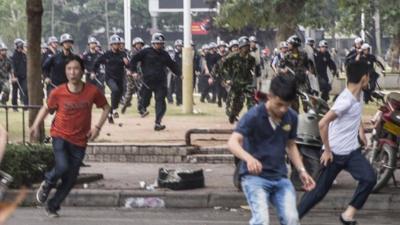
[264, 143]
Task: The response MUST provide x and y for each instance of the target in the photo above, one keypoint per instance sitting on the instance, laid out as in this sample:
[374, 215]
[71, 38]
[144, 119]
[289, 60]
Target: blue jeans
[68, 158]
[260, 191]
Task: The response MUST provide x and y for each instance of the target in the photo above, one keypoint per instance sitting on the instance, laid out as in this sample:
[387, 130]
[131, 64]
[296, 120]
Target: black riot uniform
[153, 65]
[323, 60]
[20, 84]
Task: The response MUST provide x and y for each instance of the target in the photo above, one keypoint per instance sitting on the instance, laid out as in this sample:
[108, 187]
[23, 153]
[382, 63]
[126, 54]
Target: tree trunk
[395, 56]
[34, 11]
[288, 27]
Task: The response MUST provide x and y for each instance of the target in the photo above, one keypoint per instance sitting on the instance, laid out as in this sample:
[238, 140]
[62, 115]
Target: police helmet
[294, 40]
[137, 40]
[66, 37]
[52, 39]
[114, 39]
[92, 40]
[212, 45]
[358, 40]
[178, 42]
[157, 38]
[243, 41]
[323, 43]
[233, 43]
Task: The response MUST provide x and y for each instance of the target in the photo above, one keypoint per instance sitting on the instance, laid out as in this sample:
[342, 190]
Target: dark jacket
[114, 64]
[153, 65]
[54, 68]
[19, 64]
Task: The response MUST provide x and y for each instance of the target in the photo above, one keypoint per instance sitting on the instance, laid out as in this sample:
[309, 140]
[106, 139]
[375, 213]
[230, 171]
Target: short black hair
[74, 57]
[284, 87]
[355, 70]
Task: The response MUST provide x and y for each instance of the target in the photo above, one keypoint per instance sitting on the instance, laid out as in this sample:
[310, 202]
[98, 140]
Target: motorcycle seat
[394, 99]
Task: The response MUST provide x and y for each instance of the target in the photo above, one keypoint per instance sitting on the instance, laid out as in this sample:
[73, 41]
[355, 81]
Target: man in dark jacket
[154, 61]
[19, 79]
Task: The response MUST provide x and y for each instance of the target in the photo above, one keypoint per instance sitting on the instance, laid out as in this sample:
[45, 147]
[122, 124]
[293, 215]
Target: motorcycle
[308, 139]
[384, 150]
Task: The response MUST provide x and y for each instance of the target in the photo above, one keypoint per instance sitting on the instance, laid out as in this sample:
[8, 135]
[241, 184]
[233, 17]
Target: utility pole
[187, 59]
[107, 22]
[52, 17]
[127, 23]
[377, 19]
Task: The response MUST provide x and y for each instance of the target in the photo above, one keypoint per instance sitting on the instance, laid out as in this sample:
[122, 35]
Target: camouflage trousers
[236, 99]
[132, 87]
[5, 90]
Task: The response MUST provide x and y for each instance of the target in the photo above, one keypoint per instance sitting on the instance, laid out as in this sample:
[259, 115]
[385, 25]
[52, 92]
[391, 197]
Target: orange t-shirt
[73, 118]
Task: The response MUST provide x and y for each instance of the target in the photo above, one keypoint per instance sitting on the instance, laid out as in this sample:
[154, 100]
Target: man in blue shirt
[260, 140]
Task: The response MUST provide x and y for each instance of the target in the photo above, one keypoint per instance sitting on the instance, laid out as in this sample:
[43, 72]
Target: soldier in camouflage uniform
[296, 63]
[5, 71]
[237, 74]
[132, 84]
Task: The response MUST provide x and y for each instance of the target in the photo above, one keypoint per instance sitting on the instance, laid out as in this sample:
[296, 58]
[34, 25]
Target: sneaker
[159, 127]
[219, 104]
[144, 114]
[110, 119]
[116, 115]
[43, 192]
[51, 213]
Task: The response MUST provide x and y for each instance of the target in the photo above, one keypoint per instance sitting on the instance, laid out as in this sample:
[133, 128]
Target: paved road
[111, 216]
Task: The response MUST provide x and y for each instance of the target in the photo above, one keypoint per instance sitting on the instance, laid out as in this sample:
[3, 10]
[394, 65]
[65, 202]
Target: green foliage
[27, 164]
[12, 20]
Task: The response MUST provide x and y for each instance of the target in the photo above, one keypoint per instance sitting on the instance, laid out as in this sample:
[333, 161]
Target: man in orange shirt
[71, 130]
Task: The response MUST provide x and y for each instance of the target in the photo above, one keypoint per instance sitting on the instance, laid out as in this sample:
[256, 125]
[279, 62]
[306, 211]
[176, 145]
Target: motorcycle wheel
[383, 160]
[311, 156]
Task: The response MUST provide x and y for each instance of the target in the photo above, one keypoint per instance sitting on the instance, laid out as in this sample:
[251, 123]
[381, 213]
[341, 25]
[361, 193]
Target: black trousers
[116, 87]
[359, 168]
[23, 94]
[160, 91]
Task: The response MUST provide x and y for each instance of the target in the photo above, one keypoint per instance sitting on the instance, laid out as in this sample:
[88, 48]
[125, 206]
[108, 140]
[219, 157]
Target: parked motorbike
[309, 140]
[384, 150]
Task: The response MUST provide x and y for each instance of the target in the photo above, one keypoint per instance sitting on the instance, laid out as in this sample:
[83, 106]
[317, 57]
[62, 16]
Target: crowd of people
[223, 73]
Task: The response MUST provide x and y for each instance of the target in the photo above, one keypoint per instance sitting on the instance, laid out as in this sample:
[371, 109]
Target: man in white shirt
[340, 129]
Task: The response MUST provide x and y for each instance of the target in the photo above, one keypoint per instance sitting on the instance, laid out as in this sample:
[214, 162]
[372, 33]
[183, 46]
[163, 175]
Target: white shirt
[343, 131]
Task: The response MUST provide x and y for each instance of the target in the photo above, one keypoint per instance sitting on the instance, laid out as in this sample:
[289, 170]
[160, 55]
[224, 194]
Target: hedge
[27, 163]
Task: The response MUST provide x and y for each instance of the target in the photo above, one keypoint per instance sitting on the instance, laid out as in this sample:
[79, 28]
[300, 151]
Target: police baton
[20, 88]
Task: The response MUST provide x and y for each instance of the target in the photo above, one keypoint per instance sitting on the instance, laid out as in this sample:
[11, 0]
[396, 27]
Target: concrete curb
[203, 199]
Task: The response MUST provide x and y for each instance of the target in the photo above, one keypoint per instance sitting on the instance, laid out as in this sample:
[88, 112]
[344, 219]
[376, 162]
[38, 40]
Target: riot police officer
[133, 85]
[236, 72]
[52, 45]
[54, 67]
[89, 57]
[176, 82]
[115, 62]
[19, 79]
[154, 61]
[211, 58]
[323, 60]
[233, 46]
[296, 63]
[371, 59]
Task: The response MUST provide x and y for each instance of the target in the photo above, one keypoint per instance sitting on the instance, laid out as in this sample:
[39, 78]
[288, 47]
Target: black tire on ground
[384, 164]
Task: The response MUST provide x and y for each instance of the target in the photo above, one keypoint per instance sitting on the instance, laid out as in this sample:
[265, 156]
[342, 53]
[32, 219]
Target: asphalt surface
[120, 216]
